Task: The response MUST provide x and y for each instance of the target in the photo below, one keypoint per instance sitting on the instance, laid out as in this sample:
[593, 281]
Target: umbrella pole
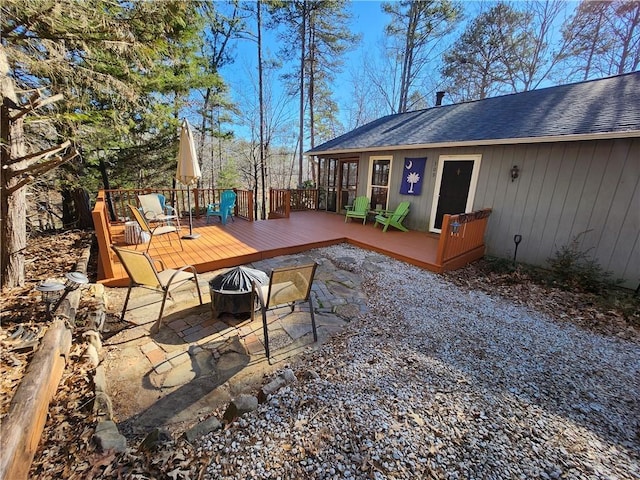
[191, 236]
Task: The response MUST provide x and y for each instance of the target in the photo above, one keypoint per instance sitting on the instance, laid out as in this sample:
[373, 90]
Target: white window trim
[475, 173]
[372, 159]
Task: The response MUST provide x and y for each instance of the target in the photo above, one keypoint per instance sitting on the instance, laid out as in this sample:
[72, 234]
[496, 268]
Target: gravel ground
[438, 382]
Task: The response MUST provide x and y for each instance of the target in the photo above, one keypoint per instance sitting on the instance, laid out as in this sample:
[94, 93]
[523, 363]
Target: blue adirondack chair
[224, 209]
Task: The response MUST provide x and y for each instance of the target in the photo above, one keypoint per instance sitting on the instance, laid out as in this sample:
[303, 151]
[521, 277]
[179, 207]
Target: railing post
[287, 203]
[444, 238]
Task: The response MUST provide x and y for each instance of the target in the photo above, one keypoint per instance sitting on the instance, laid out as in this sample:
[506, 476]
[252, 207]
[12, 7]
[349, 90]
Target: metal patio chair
[154, 231]
[142, 272]
[287, 286]
[156, 209]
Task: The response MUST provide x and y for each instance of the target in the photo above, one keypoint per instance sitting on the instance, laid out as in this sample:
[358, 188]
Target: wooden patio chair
[156, 209]
[287, 286]
[359, 209]
[224, 209]
[142, 272]
[393, 218]
[153, 231]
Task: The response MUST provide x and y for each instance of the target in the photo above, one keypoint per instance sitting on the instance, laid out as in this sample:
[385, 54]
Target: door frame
[475, 173]
[339, 188]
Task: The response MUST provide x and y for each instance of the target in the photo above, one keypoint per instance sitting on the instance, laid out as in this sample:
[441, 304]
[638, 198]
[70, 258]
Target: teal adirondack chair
[224, 209]
[393, 218]
[359, 209]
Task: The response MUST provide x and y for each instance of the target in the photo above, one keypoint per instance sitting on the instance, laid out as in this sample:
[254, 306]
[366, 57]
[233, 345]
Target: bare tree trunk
[407, 61]
[83, 208]
[627, 42]
[312, 118]
[13, 218]
[263, 156]
[13, 238]
[303, 25]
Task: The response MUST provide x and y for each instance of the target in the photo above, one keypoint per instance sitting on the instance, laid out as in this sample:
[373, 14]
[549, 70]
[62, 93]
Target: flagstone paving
[196, 363]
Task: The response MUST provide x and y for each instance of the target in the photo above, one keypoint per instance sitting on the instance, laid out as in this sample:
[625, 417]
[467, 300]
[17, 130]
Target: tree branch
[39, 169]
[40, 154]
[37, 104]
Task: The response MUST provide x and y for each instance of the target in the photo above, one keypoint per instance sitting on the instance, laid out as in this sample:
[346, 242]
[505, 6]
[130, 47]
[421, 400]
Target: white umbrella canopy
[188, 167]
[188, 171]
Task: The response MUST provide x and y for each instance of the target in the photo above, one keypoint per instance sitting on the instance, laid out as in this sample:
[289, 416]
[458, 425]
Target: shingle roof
[605, 106]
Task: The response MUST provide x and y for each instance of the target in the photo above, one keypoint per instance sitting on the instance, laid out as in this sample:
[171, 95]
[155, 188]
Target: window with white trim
[380, 174]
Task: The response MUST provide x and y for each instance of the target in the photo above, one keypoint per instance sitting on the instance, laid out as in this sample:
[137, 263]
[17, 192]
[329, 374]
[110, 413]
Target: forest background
[263, 81]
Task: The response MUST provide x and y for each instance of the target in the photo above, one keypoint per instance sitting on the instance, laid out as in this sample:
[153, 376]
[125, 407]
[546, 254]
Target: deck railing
[116, 201]
[279, 203]
[461, 238]
[284, 201]
[304, 199]
[111, 208]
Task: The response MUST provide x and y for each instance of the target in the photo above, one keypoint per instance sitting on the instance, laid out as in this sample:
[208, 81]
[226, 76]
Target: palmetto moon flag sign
[412, 176]
[188, 171]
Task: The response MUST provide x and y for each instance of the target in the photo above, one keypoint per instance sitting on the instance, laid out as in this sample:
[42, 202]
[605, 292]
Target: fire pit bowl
[231, 291]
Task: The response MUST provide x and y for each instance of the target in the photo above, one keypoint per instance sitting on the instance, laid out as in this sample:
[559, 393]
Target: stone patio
[196, 363]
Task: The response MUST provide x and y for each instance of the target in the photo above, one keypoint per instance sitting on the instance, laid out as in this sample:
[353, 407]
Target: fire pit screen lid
[237, 280]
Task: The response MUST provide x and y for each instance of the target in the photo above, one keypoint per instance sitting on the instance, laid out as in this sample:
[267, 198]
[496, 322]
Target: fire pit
[231, 291]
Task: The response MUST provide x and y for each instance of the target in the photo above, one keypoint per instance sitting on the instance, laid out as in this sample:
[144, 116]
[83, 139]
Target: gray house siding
[587, 189]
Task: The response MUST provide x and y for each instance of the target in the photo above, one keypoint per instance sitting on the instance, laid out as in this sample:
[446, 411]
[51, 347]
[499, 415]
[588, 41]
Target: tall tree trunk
[627, 41]
[13, 228]
[594, 42]
[83, 208]
[312, 119]
[263, 158]
[69, 216]
[303, 25]
[407, 60]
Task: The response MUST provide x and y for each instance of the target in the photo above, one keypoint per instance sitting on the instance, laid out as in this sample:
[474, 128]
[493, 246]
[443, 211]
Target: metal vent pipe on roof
[439, 97]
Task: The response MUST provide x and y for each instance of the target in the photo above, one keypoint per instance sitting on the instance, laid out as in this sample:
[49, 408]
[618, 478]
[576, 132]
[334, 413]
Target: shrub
[572, 268]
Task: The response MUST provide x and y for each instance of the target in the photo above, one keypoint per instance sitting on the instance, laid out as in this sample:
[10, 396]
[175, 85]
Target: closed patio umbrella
[188, 171]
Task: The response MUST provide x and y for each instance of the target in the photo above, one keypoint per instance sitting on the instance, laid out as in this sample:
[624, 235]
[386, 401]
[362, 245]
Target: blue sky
[368, 21]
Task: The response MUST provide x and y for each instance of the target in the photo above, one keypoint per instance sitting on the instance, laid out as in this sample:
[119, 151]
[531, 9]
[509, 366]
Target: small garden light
[51, 290]
[516, 239]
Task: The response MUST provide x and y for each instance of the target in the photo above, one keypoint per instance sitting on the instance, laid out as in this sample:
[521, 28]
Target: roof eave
[479, 143]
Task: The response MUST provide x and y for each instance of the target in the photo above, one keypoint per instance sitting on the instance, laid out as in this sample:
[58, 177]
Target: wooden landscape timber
[22, 428]
[20, 432]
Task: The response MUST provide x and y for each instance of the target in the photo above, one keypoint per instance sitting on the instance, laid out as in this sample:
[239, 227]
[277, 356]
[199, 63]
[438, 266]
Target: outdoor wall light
[515, 172]
[51, 291]
[455, 227]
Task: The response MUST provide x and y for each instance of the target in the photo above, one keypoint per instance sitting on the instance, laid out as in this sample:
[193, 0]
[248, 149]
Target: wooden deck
[240, 242]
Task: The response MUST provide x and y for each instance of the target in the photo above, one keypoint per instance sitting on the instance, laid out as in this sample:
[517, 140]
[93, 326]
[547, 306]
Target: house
[554, 165]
